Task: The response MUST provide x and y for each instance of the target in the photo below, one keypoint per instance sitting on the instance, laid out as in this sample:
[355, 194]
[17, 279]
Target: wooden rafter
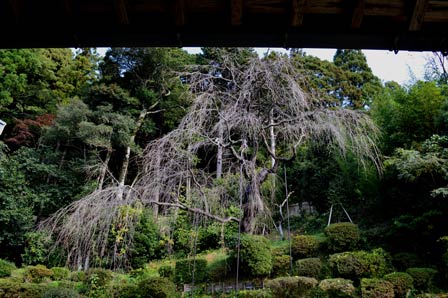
[179, 13]
[418, 15]
[369, 24]
[298, 8]
[121, 12]
[358, 13]
[68, 4]
[236, 12]
[15, 8]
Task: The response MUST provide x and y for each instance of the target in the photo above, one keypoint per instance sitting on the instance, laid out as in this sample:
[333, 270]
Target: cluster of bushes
[346, 271]
[39, 281]
[321, 269]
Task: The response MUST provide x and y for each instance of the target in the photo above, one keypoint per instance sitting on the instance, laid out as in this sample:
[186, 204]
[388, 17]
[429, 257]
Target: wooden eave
[416, 25]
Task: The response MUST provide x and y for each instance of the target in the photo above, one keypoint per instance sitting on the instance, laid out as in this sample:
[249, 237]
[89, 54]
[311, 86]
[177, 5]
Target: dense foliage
[79, 124]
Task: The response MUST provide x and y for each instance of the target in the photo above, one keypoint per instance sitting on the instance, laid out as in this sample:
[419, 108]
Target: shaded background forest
[77, 122]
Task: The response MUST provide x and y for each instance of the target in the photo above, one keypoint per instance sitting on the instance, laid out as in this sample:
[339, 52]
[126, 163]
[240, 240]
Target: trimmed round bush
[281, 265]
[125, 290]
[338, 287]
[310, 267]
[280, 250]
[376, 288]
[255, 255]
[305, 246]
[6, 267]
[293, 286]
[61, 293]
[254, 294]
[156, 287]
[423, 277]
[166, 271]
[183, 273]
[306, 283]
[60, 273]
[37, 273]
[354, 265]
[342, 236]
[402, 283]
[22, 290]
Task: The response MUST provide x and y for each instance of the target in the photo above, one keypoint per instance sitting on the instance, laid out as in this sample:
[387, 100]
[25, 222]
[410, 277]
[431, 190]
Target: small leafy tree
[255, 255]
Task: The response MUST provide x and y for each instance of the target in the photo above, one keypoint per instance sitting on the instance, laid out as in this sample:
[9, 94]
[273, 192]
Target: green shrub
[255, 255]
[305, 284]
[423, 277]
[281, 265]
[376, 288]
[96, 281]
[354, 265]
[60, 273]
[37, 248]
[402, 283]
[18, 275]
[37, 273]
[317, 293]
[310, 267]
[146, 241]
[217, 270]
[342, 236]
[183, 272]
[405, 260]
[77, 276]
[254, 294]
[280, 250]
[124, 291]
[338, 287]
[156, 287]
[60, 293]
[69, 284]
[305, 246]
[166, 271]
[98, 276]
[6, 268]
[294, 286]
[22, 290]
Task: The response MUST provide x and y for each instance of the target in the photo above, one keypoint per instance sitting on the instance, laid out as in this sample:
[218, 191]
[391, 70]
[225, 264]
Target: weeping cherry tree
[256, 114]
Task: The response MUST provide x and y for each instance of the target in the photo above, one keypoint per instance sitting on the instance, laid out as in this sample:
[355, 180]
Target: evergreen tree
[360, 84]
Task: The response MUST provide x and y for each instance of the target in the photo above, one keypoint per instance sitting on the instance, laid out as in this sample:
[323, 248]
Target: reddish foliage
[26, 130]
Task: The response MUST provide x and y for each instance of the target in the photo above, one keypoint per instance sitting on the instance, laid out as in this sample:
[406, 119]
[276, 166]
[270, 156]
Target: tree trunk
[157, 190]
[272, 137]
[273, 161]
[125, 165]
[252, 198]
[104, 169]
[220, 152]
[188, 180]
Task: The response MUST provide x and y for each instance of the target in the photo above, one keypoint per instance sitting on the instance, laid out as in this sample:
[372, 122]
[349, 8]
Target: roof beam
[236, 7]
[15, 8]
[298, 7]
[358, 14]
[418, 15]
[68, 7]
[121, 12]
[179, 8]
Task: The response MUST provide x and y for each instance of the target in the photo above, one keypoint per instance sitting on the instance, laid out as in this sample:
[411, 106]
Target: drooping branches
[238, 111]
[97, 226]
[240, 108]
